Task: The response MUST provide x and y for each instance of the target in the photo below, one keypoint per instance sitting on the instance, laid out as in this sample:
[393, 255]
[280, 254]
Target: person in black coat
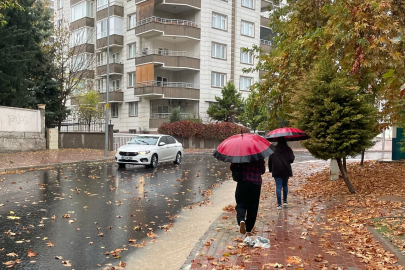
[280, 167]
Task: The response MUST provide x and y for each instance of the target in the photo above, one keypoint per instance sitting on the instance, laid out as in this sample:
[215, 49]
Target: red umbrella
[289, 133]
[243, 148]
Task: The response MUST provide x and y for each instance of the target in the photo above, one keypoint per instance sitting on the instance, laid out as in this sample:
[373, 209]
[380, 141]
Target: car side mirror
[161, 143]
[128, 142]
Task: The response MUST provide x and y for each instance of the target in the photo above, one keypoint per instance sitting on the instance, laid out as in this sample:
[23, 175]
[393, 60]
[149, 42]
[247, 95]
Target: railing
[166, 21]
[167, 115]
[121, 139]
[73, 124]
[146, 51]
[103, 63]
[266, 42]
[110, 89]
[168, 84]
[139, 1]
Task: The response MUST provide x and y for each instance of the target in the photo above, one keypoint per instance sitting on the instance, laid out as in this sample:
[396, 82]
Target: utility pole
[107, 105]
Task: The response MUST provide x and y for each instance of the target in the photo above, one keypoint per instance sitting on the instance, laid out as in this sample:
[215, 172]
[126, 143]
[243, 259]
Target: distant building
[168, 53]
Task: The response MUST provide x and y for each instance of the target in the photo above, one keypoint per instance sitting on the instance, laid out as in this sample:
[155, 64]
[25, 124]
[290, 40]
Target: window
[80, 62]
[132, 131]
[163, 51]
[247, 28]
[131, 79]
[161, 81]
[219, 21]
[246, 57]
[116, 57]
[84, 9]
[163, 109]
[218, 79]
[100, 61]
[100, 86]
[60, 4]
[131, 51]
[81, 36]
[131, 21]
[133, 108]
[218, 51]
[247, 3]
[60, 24]
[116, 84]
[245, 83]
[103, 28]
[114, 110]
[102, 4]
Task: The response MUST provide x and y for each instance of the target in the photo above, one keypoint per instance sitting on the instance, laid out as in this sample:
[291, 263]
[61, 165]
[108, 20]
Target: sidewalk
[301, 238]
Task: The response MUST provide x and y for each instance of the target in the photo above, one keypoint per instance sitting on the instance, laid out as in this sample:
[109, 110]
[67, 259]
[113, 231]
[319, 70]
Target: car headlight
[118, 151]
[143, 152]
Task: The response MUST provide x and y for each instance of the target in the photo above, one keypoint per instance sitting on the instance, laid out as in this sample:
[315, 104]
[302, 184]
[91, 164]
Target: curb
[387, 245]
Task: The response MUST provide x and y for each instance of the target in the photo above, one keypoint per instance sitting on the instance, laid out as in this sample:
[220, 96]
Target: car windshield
[148, 140]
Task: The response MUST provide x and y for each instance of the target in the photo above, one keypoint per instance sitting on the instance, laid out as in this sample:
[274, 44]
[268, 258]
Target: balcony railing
[265, 42]
[147, 51]
[167, 21]
[167, 115]
[168, 84]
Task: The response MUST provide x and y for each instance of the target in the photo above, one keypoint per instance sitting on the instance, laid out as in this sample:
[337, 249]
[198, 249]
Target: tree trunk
[345, 177]
[344, 164]
[362, 158]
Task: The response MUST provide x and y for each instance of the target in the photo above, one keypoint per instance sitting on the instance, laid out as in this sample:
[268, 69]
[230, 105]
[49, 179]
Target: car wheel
[153, 161]
[121, 165]
[178, 158]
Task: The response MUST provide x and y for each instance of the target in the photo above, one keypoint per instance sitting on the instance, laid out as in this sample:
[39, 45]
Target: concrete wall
[91, 140]
[22, 129]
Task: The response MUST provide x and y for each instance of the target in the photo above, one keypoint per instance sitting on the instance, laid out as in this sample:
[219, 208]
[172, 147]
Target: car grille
[129, 154]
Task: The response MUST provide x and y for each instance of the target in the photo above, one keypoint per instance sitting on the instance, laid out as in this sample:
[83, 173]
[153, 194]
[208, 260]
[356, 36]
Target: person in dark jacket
[247, 194]
[280, 167]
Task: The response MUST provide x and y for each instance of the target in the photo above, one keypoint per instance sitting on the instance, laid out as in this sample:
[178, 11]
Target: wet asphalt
[80, 213]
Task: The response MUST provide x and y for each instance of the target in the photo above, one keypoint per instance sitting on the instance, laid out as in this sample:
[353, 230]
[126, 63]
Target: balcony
[265, 45]
[115, 10]
[264, 21]
[266, 4]
[157, 89]
[113, 97]
[115, 69]
[172, 60]
[83, 22]
[156, 119]
[115, 41]
[172, 28]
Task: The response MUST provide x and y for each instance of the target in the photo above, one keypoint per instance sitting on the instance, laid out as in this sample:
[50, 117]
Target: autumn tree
[364, 36]
[335, 112]
[254, 113]
[74, 67]
[89, 108]
[229, 106]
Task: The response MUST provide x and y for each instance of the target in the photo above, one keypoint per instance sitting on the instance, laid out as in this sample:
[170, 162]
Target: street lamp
[107, 105]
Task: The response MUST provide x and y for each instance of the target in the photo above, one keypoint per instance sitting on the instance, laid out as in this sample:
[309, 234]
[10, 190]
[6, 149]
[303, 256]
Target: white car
[149, 150]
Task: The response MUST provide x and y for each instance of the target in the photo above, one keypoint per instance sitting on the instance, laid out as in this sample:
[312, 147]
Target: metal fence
[72, 124]
[121, 139]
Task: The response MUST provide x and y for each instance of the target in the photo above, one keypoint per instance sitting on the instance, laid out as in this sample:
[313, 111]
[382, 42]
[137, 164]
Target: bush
[188, 129]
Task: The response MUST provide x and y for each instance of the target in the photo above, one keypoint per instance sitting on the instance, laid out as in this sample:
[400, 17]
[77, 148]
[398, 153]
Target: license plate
[128, 158]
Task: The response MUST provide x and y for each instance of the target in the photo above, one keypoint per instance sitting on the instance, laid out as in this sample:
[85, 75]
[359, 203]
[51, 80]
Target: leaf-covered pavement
[324, 228]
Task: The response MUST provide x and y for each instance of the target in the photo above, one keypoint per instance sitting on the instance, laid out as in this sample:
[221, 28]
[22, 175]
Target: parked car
[149, 150]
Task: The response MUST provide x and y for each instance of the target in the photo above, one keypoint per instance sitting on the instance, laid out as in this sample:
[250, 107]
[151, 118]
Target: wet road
[82, 212]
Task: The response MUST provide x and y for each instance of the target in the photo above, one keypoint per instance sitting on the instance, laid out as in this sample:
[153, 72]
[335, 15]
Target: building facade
[167, 53]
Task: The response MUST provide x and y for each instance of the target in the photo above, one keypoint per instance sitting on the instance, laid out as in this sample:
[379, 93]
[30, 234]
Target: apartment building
[167, 53]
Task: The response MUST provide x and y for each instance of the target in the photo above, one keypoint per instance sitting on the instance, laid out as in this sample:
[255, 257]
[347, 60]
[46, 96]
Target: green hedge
[188, 129]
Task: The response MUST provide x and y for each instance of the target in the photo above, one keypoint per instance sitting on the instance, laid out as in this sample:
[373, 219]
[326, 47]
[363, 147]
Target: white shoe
[285, 204]
[279, 207]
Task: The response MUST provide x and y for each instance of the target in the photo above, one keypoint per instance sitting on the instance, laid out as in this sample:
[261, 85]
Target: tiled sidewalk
[297, 240]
